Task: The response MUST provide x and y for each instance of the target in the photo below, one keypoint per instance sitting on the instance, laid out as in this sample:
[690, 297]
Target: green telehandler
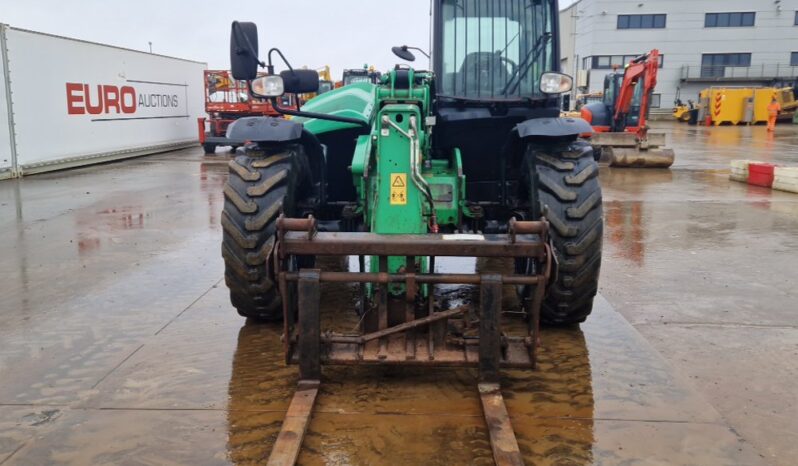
[469, 159]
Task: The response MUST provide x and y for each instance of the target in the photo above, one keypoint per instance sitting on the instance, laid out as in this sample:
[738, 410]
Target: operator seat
[482, 73]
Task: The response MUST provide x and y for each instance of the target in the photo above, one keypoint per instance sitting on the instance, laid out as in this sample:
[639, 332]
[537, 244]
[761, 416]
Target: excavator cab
[361, 75]
[325, 86]
[602, 118]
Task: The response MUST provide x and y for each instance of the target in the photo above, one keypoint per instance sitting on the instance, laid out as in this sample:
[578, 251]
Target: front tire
[261, 185]
[570, 198]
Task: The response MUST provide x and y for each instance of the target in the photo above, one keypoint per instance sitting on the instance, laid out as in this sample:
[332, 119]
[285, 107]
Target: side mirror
[403, 53]
[244, 51]
[300, 81]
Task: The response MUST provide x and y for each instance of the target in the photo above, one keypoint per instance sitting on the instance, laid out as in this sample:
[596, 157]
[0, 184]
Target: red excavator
[620, 120]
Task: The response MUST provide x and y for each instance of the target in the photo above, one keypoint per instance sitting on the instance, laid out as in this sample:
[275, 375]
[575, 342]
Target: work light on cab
[555, 83]
[269, 86]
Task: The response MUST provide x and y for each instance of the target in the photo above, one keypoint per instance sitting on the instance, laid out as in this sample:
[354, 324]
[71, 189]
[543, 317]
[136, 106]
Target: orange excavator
[620, 120]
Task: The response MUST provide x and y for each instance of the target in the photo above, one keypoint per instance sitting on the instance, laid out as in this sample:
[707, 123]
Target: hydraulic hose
[415, 172]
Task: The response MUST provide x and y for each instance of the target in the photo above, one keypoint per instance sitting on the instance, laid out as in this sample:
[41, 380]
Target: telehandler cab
[469, 159]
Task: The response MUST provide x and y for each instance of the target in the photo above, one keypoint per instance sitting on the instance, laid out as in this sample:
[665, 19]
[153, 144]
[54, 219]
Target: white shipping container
[77, 102]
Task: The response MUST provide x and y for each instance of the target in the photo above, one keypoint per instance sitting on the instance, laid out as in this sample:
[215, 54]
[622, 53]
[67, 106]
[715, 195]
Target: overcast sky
[313, 33]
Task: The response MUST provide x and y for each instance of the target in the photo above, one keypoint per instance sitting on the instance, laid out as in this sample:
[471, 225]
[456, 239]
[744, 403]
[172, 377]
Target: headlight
[555, 83]
[270, 86]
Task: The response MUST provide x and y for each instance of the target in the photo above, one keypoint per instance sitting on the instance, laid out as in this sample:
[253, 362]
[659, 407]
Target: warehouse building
[704, 43]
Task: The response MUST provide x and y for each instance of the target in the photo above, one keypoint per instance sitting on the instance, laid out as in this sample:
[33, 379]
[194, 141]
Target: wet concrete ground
[118, 344]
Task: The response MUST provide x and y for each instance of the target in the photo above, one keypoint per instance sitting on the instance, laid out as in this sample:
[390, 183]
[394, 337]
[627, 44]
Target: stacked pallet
[767, 175]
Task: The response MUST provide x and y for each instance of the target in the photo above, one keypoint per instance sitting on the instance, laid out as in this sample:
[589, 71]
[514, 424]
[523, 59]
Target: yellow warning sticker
[398, 188]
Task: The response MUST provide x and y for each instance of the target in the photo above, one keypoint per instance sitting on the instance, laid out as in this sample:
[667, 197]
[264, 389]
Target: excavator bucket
[627, 150]
[637, 158]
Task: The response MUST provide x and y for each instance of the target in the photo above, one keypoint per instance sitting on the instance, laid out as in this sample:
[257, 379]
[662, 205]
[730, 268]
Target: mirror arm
[320, 116]
[288, 111]
[275, 49]
[416, 48]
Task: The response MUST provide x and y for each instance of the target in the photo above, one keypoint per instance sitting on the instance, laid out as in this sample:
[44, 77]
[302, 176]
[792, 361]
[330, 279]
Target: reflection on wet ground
[125, 350]
[704, 268]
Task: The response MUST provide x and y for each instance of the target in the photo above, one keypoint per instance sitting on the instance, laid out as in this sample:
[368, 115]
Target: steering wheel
[505, 60]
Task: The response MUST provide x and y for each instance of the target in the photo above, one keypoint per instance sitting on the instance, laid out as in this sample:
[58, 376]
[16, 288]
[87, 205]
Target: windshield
[633, 119]
[611, 88]
[495, 48]
[614, 82]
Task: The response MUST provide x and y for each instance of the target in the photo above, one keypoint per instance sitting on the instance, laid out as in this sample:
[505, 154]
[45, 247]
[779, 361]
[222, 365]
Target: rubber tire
[570, 198]
[209, 148]
[260, 186]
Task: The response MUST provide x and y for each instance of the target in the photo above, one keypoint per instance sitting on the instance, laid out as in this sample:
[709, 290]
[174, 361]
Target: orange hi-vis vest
[774, 108]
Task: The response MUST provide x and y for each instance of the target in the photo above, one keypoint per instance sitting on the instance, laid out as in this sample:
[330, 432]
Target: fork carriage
[408, 329]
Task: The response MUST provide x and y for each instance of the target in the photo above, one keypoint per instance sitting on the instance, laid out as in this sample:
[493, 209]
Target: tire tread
[571, 200]
[260, 186]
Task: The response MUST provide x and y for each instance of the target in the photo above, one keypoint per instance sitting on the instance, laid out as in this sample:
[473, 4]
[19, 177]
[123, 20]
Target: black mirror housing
[300, 81]
[244, 50]
[403, 53]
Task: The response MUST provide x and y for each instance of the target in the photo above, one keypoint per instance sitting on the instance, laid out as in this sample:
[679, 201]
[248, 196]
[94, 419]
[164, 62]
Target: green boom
[402, 188]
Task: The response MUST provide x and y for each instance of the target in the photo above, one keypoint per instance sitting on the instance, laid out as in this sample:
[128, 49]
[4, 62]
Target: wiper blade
[530, 57]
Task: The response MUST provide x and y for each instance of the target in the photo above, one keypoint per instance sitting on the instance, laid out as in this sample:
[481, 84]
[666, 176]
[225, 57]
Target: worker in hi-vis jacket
[773, 112]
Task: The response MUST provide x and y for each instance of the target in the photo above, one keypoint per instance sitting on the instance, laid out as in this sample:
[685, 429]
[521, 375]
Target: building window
[641, 21]
[794, 59]
[607, 62]
[713, 65]
[656, 100]
[796, 19]
[729, 20]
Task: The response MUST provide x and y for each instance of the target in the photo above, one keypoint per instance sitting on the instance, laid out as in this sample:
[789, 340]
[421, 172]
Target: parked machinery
[325, 85]
[681, 110]
[227, 100]
[731, 105]
[367, 74]
[468, 160]
[620, 120]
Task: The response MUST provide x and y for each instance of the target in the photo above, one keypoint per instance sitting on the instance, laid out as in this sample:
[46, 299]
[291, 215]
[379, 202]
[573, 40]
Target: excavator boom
[641, 70]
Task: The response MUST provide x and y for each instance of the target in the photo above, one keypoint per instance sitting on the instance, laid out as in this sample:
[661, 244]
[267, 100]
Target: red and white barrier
[763, 174]
[786, 179]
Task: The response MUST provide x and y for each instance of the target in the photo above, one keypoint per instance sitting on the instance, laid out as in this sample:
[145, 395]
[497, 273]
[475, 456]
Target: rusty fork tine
[410, 306]
[382, 316]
